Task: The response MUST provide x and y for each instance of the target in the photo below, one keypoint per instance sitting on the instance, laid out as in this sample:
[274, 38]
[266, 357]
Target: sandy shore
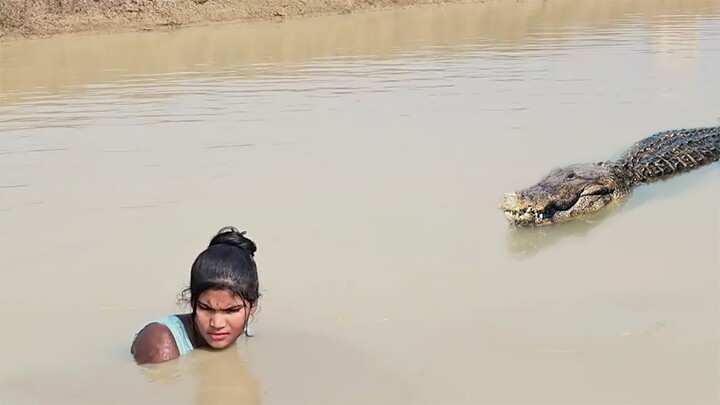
[42, 18]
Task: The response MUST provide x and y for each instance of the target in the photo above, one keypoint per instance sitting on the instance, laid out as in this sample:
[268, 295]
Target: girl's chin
[219, 344]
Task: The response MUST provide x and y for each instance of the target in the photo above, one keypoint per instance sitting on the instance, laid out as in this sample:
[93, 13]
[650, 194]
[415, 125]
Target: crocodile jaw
[520, 213]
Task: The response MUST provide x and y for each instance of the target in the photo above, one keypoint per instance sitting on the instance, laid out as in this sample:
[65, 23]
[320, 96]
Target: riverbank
[42, 18]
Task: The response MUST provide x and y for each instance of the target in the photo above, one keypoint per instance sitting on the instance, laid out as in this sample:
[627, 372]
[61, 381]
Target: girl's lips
[218, 336]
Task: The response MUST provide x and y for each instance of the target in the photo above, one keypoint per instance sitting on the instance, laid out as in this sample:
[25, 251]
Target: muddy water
[365, 155]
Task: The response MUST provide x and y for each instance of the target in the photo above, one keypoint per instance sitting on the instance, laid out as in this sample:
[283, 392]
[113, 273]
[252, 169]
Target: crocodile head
[563, 194]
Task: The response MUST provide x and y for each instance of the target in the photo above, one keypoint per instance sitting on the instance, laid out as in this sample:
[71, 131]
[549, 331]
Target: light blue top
[177, 328]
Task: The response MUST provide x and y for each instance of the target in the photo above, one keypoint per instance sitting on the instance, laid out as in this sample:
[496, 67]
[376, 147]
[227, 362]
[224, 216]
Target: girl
[223, 294]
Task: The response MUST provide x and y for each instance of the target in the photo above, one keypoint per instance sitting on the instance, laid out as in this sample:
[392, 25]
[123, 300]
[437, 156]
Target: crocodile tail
[668, 153]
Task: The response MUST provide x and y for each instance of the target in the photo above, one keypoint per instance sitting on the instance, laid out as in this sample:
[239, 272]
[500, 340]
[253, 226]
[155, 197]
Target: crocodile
[573, 191]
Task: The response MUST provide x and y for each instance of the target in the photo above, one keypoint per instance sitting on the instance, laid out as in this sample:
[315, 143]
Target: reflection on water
[224, 378]
[526, 242]
[203, 377]
[35, 70]
[365, 154]
[218, 377]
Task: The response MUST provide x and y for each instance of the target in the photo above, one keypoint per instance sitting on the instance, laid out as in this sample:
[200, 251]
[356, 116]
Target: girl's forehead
[220, 298]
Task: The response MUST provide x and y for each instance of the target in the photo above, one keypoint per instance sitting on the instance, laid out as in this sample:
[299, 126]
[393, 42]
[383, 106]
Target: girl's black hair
[228, 263]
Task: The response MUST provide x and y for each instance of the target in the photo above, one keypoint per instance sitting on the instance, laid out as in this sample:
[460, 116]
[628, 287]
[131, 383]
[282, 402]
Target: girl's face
[221, 316]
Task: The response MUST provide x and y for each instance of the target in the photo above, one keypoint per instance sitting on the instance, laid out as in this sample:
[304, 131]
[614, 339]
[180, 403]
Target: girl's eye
[229, 310]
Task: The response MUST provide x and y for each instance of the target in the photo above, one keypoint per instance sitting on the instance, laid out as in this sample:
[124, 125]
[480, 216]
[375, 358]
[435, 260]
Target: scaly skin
[573, 191]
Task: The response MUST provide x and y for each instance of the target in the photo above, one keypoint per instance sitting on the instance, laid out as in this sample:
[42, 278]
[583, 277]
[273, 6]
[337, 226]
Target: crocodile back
[669, 153]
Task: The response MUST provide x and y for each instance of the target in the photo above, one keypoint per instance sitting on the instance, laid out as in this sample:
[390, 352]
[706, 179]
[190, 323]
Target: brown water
[365, 154]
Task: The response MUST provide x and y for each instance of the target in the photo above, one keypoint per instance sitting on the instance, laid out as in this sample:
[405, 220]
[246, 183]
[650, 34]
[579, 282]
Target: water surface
[365, 154]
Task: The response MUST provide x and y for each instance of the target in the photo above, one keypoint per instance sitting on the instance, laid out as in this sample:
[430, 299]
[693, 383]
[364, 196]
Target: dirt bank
[40, 18]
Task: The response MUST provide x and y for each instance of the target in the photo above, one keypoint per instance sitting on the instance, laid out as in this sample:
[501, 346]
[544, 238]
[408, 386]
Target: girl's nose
[217, 321]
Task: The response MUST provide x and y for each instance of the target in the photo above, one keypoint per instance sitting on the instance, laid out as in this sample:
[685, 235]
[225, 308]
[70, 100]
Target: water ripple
[194, 96]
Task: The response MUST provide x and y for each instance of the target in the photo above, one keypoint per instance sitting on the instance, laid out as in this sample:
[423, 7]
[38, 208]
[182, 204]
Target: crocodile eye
[571, 176]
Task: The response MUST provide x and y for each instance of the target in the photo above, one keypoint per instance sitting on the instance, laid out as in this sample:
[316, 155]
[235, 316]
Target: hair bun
[229, 235]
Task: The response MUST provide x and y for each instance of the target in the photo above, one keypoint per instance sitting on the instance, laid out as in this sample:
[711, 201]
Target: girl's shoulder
[161, 340]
